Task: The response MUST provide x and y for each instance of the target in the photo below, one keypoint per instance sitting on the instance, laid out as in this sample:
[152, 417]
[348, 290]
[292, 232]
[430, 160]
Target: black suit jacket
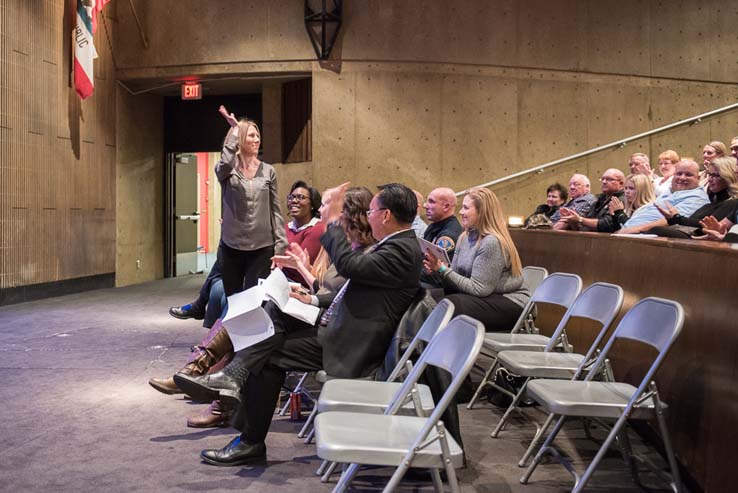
[382, 285]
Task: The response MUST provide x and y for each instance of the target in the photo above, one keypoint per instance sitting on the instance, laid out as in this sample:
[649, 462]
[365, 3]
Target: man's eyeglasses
[372, 211]
[296, 196]
[608, 178]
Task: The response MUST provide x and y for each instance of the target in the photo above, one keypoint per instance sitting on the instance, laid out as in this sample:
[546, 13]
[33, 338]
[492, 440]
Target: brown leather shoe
[165, 385]
[212, 417]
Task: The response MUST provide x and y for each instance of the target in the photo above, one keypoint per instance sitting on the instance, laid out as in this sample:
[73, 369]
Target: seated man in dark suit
[354, 332]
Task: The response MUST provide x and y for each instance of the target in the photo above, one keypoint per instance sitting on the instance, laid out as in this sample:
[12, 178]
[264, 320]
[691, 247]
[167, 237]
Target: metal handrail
[618, 143]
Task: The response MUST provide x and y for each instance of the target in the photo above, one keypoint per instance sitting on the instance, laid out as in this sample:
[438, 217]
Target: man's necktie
[328, 314]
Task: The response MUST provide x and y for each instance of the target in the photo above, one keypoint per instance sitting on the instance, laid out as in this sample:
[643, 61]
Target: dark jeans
[497, 313]
[204, 296]
[242, 269]
[216, 304]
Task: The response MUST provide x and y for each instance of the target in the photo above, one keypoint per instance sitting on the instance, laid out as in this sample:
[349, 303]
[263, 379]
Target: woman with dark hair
[556, 196]
[305, 228]
[253, 227]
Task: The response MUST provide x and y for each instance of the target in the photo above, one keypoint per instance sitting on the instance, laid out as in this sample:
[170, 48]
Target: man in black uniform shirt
[444, 229]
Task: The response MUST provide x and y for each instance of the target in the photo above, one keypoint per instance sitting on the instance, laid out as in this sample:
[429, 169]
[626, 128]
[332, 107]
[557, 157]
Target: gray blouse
[479, 269]
[252, 214]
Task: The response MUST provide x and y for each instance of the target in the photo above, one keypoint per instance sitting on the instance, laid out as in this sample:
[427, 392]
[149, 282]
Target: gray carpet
[80, 416]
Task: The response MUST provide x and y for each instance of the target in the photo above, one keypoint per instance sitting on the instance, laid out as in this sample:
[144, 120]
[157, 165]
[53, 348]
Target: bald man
[444, 229]
[598, 218]
[686, 196]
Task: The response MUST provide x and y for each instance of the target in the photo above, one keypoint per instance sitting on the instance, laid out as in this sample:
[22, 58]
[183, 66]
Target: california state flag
[84, 50]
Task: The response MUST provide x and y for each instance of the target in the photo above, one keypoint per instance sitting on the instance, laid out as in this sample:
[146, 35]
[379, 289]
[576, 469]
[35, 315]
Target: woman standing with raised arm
[253, 228]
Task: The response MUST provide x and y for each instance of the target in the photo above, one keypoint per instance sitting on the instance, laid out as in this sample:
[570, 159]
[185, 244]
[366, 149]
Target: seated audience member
[356, 330]
[556, 195]
[580, 198]
[714, 149]
[667, 164]
[722, 190]
[734, 147]
[714, 230]
[639, 164]
[485, 279]
[419, 225]
[687, 196]
[444, 229]
[325, 282]
[305, 228]
[598, 218]
[638, 191]
[198, 309]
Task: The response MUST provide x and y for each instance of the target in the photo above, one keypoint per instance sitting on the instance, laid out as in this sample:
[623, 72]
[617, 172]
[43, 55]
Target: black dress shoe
[236, 453]
[208, 388]
[187, 311]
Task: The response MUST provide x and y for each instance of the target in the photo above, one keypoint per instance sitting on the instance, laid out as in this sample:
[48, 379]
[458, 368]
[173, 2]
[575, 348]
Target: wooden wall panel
[56, 180]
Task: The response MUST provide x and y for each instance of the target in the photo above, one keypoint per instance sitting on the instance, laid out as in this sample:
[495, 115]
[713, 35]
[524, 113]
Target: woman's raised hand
[230, 117]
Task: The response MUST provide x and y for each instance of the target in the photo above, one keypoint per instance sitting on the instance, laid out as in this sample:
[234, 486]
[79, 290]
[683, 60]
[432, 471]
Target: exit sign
[191, 91]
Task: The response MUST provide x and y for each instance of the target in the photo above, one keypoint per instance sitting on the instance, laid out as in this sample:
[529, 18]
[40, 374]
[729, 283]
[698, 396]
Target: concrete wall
[57, 153]
[140, 189]
[459, 94]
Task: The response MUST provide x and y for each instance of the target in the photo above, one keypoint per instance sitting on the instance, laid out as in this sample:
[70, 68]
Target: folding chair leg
[483, 383]
[446, 455]
[675, 476]
[321, 468]
[537, 438]
[512, 407]
[348, 475]
[328, 472]
[579, 486]
[311, 435]
[437, 481]
[308, 422]
[626, 450]
[542, 451]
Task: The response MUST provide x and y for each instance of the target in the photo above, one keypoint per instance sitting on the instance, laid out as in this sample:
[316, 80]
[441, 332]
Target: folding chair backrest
[558, 288]
[435, 322]
[453, 349]
[600, 302]
[533, 276]
[653, 321]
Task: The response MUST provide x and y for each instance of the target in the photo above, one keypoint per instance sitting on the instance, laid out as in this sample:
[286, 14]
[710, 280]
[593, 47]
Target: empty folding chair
[368, 396]
[557, 289]
[600, 303]
[391, 439]
[337, 392]
[653, 321]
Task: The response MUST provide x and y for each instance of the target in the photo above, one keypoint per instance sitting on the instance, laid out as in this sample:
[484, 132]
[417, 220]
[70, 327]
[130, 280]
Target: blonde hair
[726, 169]
[321, 265]
[719, 147]
[243, 130]
[491, 221]
[643, 192]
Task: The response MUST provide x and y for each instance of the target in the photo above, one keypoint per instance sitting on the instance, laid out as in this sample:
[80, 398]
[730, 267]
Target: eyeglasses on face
[372, 211]
[296, 196]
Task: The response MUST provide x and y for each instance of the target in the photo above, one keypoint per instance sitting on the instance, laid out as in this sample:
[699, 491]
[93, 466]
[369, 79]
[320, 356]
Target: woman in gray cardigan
[485, 279]
[253, 227]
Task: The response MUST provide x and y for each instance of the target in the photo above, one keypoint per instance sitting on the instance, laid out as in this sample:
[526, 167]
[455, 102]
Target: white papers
[435, 250]
[248, 323]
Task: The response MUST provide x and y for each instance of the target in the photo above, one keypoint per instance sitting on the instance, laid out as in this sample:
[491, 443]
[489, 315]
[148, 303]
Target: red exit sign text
[191, 91]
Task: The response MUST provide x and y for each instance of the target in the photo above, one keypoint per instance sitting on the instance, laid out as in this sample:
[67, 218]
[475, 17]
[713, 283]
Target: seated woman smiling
[485, 279]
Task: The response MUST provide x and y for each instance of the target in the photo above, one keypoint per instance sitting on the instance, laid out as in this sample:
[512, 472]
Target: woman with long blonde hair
[638, 191]
[485, 278]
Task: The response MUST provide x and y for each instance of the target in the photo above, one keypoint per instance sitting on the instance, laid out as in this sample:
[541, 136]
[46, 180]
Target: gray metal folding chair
[557, 289]
[533, 276]
[653, 321]
[369, 396]
[600, 303]
[390, 439]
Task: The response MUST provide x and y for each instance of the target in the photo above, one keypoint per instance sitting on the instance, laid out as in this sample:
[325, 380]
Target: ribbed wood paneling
[57, 154]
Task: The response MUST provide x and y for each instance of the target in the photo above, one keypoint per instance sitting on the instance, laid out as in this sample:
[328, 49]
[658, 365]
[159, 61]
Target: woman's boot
[218, 349]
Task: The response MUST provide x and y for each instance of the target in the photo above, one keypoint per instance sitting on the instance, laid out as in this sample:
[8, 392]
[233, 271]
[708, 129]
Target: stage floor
[80, 415]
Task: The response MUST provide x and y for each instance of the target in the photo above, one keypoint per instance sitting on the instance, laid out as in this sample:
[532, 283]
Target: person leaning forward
[352, 343]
